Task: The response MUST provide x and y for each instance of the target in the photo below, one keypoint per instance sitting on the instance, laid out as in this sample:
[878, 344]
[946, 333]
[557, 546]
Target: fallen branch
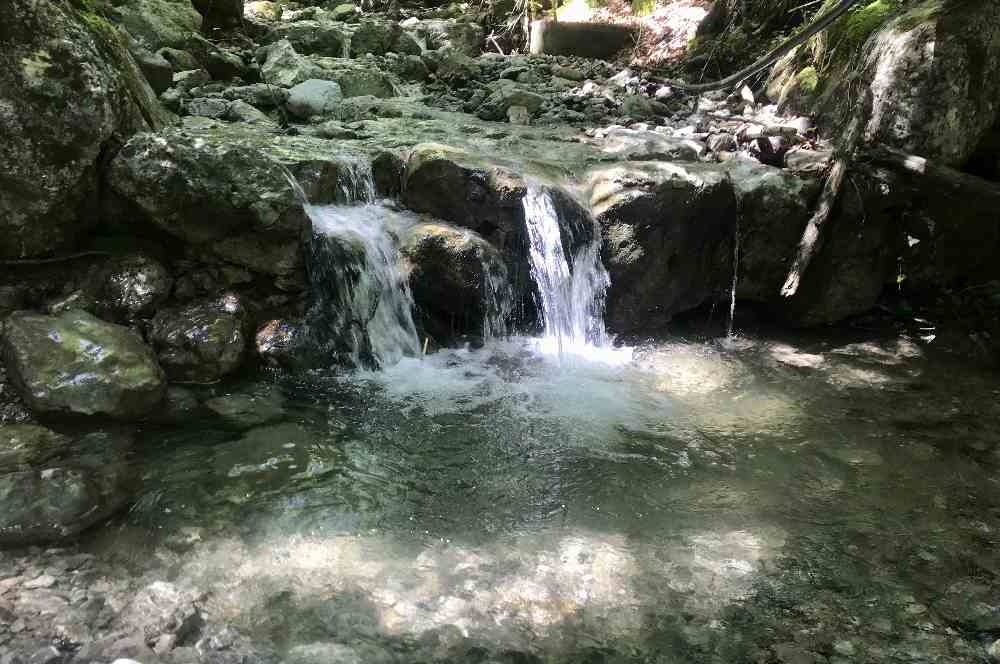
[812, 238]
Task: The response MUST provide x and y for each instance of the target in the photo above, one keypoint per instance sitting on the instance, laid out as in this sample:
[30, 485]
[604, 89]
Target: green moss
[862, 23]
[808, 79]
[922, 13]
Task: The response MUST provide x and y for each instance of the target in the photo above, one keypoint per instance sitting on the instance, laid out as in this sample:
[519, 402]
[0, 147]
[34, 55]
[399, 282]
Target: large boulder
[203, 341]
[215, 192]
[357, 79]
[458, 279]
[668, 231]
[932, 70]
[464, 37]
[374, 36]
[52, 488]
[314, 97]
[69, 92]
[78, 364]
[283, 66]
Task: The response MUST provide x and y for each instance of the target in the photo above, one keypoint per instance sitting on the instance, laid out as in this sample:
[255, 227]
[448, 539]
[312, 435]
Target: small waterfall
[572, 298]
[736, 275]
[498, 299]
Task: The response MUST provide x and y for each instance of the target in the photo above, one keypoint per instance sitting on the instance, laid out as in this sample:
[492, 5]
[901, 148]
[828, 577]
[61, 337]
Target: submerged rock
[52, 488]
[201, 342]
[247, 410]
[78, 364]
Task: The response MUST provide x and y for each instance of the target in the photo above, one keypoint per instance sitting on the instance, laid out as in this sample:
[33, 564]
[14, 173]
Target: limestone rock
[76, 363]
[52, 134]
[203, 341]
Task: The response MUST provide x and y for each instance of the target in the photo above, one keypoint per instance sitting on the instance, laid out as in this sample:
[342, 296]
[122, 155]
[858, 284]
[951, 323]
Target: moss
[808, 79]
[923, 13]
[862, 23]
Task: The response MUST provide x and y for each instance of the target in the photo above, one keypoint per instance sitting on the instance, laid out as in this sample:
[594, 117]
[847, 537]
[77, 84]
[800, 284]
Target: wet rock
[568, 73]
[275, 342]
[374, 36]
[54, 135]
[461, 37]
[201, 342]
[76, 363]
[248, 410]
[220, 13]
[52, 488]
[172, 178]
[465, 189]
[774, 208]
[667, 227]
[640, 107]
[12, 407]
[970, 605]
[224, 64]
[314, 97]
[450, 271]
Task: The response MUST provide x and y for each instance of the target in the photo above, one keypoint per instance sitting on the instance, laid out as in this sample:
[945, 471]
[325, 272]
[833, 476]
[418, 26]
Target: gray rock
[314, 37]
[283, 66]
[208, 107]
[357, 79]
[130, 287]
[496, 105]
[186, 81]
[259, 95]
[722, 143]
[323, 653]
[568, 73]
[314, 97]
[179, 59]
[374, 36]
[157, 69]
[640, 107]
[240, 111]
[201, 342]
[78, 364]
[644, 145]
[53, 135]
[162, 608]
[159, 23]
[224, 64]
[275, 342]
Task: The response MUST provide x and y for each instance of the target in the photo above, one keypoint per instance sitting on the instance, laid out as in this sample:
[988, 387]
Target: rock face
[667, 230]
[52, 488]
[231, 199]
[78, 364]
[68, 89]
[201, 342]
[156, 24]
[451, 271]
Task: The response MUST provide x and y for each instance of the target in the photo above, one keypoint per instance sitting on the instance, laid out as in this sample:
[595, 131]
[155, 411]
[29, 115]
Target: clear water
[690, 501]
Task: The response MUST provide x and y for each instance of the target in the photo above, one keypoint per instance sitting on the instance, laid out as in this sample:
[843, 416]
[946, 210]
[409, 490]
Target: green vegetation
[808, 79]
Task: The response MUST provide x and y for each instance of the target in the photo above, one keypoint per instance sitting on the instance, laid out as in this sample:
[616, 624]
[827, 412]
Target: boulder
[214, 191]
[374, 36]
[457, 279]
[240, 111]
[157, 69]
[497, 104]
[284, 67]
[53, 134]
[245, 410]
[52, 488]
[207, 107]
[314, 97]
[77, 364]
[203, 341]
[159, 23]
[220, 13]
[259, 95]
[314, 37]
[262, 10]
[668, 230]
[129, 287]
[179, 59]
[357, 79]
[460, 36]
[774, 207]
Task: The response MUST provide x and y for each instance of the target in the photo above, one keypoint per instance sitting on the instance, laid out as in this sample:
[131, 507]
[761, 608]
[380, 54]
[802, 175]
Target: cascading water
[572, 298]
[736, 275]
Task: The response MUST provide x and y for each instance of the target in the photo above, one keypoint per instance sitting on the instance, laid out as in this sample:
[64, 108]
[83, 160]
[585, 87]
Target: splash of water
[572, 297]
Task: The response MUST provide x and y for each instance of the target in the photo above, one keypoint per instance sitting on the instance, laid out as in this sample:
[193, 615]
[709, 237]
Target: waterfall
[736, 275]
[572, 295]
